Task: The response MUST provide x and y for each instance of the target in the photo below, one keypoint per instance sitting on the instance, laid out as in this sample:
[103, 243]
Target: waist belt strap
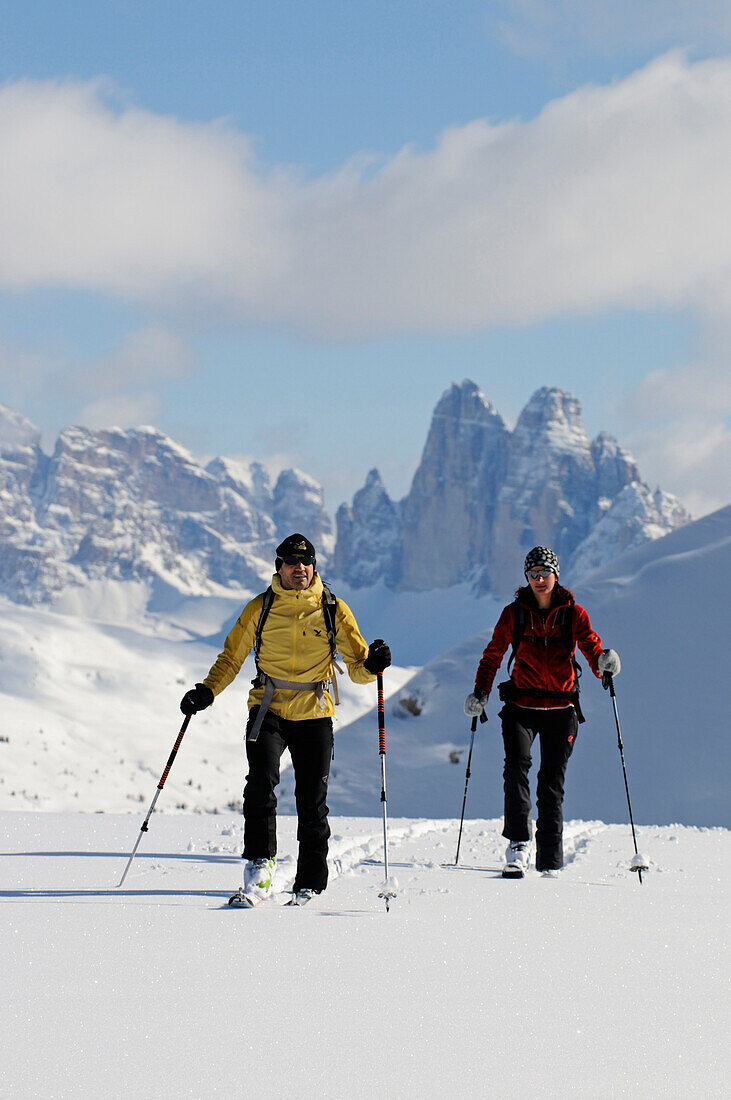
[269, 684]
[508, 691]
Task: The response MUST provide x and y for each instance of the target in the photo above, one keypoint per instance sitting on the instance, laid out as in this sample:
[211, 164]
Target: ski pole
[468, 773]
[160, 786]
[390, 885]
[639, 863]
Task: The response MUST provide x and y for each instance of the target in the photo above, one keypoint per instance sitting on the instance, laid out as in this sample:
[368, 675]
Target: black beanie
[296, 544]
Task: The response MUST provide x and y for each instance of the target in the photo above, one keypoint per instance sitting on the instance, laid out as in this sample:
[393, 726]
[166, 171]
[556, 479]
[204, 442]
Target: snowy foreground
[589, 985]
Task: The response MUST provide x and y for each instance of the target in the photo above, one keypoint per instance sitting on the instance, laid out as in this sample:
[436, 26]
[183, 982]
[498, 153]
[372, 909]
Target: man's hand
[379, 657]
[198, 698]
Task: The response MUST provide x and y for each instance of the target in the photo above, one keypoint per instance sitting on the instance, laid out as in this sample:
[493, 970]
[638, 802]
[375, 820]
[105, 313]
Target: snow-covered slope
[666, 609]
[89, 708]
[590, 985]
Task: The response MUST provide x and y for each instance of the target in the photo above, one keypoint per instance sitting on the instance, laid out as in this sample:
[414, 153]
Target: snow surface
[588, 985]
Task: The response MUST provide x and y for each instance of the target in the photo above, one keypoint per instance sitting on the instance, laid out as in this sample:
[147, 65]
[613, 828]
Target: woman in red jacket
[544, 625]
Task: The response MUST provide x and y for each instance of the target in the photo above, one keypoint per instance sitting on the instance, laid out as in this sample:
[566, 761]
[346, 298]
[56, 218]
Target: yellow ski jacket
[294, 646]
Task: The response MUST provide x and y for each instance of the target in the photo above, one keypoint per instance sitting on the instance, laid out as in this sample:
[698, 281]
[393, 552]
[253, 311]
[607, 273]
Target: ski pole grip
[608, 682]
[381, 716]
[473, 727]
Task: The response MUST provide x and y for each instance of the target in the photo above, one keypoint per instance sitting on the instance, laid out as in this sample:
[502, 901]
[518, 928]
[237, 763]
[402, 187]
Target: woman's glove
[609, 662]
[198, 698]
[474, 705]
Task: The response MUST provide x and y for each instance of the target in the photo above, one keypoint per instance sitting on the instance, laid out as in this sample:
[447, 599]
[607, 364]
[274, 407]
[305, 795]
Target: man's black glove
[379, 657]
[198, 698]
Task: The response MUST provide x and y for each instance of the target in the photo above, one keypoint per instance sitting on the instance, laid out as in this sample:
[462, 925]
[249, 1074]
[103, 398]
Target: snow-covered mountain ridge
[483, 495]
[113, 505]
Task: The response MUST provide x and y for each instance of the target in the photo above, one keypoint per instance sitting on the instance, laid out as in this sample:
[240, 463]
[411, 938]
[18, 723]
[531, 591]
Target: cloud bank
[612, 196]
[556, 28]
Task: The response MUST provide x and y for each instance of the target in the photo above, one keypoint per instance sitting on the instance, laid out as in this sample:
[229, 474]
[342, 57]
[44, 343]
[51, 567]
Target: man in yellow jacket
[294, 629]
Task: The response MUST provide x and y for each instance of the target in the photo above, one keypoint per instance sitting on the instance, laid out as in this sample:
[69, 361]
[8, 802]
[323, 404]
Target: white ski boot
[517, 858]
[301, 897]
[258, 879]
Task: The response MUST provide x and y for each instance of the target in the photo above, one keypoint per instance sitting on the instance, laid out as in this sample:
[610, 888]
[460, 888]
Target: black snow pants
[556, 730]
[310, 744]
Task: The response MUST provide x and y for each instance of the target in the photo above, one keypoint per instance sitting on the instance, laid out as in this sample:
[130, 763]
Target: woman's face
[542, 587]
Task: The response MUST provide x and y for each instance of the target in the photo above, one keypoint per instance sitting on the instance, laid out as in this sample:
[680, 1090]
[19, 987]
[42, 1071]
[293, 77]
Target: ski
[240, 900]
[513, 870]
[301, 897]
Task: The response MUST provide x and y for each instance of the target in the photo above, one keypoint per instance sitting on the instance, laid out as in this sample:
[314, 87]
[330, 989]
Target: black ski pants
[310, 744]
[556, 730]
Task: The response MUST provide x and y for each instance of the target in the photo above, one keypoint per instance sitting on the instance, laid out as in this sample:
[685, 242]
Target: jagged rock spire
[482, 495]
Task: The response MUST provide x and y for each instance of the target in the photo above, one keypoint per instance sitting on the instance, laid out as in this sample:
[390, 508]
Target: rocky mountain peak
[552, 421]
[483, 495]
[368, 549]
[299, 506]
[119, 504]
[463, 402]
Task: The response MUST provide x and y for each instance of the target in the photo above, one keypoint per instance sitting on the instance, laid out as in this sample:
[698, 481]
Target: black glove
[379, 657]
[198, 698]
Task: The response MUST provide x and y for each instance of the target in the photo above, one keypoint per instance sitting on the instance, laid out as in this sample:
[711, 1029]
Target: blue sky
[283, 229]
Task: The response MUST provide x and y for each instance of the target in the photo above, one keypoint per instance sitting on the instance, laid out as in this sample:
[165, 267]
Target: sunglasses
[297, 559]
[534, 574]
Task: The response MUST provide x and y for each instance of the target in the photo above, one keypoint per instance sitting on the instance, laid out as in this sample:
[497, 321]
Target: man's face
[293, 573]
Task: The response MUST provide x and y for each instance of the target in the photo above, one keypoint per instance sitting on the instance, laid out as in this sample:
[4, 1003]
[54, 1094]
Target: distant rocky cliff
[134, 505]
[126, 505]
[484, 494]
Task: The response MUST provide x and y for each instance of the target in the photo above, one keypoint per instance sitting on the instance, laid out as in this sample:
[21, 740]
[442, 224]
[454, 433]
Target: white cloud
[680, 431]
[122, 200]
[604, 27]
[153, 354]
[121, 411]
[612, 196]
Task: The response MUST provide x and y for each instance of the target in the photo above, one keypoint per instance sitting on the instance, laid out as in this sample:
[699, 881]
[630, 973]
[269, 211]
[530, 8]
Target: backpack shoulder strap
[329, 607]
[520, 619]
[566, 626]
[265, 609]
[567, 622]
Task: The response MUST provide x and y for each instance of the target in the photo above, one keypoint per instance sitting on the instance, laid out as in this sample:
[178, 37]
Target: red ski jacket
[541, 659]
